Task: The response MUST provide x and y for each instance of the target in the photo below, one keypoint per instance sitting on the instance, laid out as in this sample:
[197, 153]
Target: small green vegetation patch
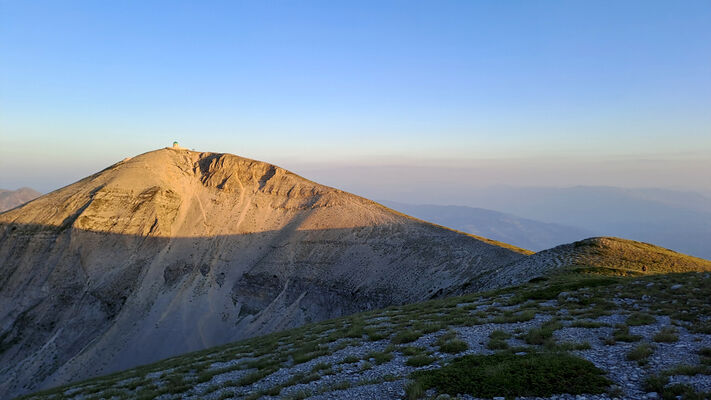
[449, 343]
[666, 335]
[380, 357]
[497, 344]
[622, 334]
[420, 360]
[640, 353]
[552, 291]
[637, 319]
[350, 360]
[499, 335]
[453, 346]
[412, 350]
[509, 375]
[376, 334]
[587, 324]
[660, 385]
[406, 337]
[544, 334]
[414, 390]
[509, 317]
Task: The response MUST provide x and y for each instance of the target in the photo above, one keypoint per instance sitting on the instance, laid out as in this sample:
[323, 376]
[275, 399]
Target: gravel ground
[366, 379]
[626, 374]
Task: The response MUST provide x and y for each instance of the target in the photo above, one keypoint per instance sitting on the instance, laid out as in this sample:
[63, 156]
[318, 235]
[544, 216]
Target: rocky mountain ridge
[176, 250]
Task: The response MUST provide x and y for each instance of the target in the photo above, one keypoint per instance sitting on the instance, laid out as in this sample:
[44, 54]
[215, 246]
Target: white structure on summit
[176, 146]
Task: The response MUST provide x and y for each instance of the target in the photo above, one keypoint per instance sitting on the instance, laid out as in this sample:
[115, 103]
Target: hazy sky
[487, 92]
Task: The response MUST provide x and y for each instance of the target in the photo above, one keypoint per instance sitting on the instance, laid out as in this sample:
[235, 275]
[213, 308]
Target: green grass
[542, 335]
[449, 343]
[668, 334]
[407, 336]
[320, 367]
[660, 385]
[497, 344]
[622, 334]
[569, 346]
[688, 370]
[376, 334]
[412, 350]
[350, 360]
[453, 346]
[509, 317]
[254, 377]
[298, 394]
[414, 390]
[380, 357]
[640, 353]
[302, 378]
[587, 324]
[551, 291]
[504, 374]
[420, 360]
[499, 335]
[637, 319]
[308, 352]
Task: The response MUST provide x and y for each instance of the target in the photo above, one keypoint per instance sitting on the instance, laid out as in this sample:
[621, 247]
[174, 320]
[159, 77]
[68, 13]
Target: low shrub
[408, 336]
[420, 360]
[509, 375]
[637, 319]
[666, 335]
[640, 353]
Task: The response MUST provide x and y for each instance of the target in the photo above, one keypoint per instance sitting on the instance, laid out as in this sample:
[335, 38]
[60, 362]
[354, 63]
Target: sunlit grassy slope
[608, 256]
[629, 257]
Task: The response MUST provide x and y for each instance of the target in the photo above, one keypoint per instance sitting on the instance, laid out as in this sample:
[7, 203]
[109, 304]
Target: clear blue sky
[313, 85]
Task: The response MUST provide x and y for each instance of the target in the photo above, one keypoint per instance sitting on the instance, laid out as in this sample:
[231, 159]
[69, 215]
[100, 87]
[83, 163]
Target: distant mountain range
[540, 217]
[12, 198]
[677, 220]
[521, 232]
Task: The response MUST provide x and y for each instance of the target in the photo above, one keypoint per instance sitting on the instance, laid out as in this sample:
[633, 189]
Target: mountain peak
[176, 250]
[177, 192]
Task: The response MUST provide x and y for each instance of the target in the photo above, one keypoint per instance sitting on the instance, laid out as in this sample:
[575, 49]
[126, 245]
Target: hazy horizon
[399, 93]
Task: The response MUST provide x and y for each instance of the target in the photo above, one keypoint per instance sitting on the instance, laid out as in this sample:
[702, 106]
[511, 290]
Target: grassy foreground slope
[623, 337]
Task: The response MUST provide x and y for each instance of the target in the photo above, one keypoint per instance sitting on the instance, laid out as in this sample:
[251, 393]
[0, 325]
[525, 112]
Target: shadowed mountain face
[12, 198]
[174, 250]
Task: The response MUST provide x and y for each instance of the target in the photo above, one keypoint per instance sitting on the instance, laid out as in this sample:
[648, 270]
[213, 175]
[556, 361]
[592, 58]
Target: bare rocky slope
[12, 198]
[174, 250]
